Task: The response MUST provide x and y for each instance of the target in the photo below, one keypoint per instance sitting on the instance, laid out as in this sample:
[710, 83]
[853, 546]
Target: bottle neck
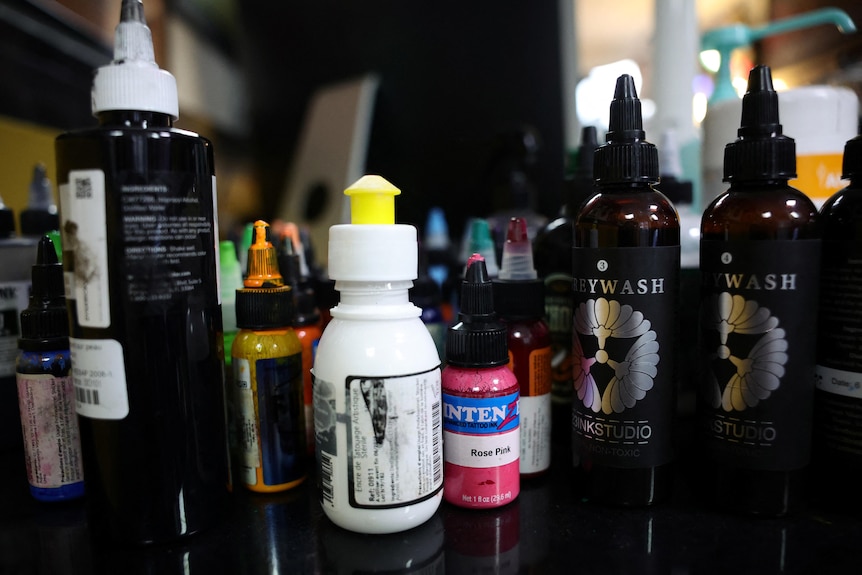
[755, 185]
[372, 299]
[624, 187]
[135, 119]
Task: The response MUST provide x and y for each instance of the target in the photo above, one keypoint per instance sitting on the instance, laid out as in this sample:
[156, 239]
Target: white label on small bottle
[535, 430]
[99, 372]
[52, 441]
[394, 439]
[249, 444]
[13, 300]
[85, 246]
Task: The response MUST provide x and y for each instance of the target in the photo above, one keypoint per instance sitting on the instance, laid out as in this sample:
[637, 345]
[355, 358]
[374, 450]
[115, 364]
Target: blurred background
[470, 106]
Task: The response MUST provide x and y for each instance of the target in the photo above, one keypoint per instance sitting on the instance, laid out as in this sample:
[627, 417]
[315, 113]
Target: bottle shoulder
[266, 344]
[629, 206]
[767, 212]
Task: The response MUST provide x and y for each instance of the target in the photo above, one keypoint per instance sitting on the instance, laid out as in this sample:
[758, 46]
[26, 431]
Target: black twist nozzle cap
[46, 317]
[761, 151]
[479, 339]
[626, 157]
[587, 152]
[264, 308]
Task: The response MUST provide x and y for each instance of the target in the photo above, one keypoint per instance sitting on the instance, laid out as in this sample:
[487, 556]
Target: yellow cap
[372, 201]
[262, 260]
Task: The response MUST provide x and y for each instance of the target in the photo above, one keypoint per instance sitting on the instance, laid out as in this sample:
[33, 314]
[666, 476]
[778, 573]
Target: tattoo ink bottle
[267, 373]
[46, 394]
[626, 275]
[140, 241]
[760, 265]
[837, 450]
[480, 402]
[307, 321]
[377, 403]
[520, 302]
[552, 254]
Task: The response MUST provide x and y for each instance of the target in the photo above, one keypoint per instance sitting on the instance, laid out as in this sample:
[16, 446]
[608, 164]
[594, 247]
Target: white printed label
[247, 435]
[394, 439]
[50, 427]
[839, 381]
[85, 243]
[535, 427]
[216, 241]
[482, 451]
[13, 300]
[99, 372]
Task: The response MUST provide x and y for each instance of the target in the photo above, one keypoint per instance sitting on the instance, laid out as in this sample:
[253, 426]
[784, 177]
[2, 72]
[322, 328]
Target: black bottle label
[558, 314]
[622, 354]
[758, 315]
[838, 402]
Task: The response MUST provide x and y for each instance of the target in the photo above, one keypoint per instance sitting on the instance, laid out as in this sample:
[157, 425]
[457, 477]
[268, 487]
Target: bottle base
[623, 487]
[753, 491]
[383, 521]
[64, 493]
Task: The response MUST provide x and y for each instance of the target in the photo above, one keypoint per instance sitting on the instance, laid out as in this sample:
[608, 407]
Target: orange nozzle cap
[262, 260]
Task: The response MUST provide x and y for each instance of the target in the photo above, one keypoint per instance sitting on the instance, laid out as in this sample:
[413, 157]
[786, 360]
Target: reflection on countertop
[548, 529]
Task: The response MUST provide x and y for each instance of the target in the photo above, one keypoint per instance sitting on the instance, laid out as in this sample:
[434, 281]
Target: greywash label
[622, 354]
[758, 333]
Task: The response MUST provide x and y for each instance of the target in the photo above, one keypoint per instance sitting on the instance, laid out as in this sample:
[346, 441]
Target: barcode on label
[326, 490]
[436, 435]
[83, 188]
[85, 395]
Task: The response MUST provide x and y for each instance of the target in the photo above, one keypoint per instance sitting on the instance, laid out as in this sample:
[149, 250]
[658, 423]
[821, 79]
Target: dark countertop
[548, 529]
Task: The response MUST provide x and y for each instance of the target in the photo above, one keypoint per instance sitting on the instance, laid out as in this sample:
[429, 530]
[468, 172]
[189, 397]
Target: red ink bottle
[519, 298]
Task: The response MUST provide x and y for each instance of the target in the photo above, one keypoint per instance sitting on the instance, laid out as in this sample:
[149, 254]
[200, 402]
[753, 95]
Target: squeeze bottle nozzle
[517, 261]
[263, 269]
[372, 201]
[727, 39]
[133, 79]
[480, 242]
[40, 197]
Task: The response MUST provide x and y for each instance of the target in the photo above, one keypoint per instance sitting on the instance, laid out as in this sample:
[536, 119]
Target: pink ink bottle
[481, 435]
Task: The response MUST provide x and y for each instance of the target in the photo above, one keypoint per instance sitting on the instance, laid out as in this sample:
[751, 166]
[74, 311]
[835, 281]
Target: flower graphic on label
[755, 373]
[633, 375]
[585, 383]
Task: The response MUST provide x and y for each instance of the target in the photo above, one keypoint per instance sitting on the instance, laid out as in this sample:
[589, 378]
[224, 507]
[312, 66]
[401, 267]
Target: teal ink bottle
[140, 239]
[46, 400]
[625, 270]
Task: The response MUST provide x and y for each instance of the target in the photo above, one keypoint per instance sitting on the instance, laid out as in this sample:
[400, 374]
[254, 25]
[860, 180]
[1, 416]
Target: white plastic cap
[820, 118]
[133, 80]
[373, 252]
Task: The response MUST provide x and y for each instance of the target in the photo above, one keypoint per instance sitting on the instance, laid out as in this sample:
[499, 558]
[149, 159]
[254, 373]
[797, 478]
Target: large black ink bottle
[837, 449]
[138, 203]
[626, 260]
[760, 260]
[552, 254]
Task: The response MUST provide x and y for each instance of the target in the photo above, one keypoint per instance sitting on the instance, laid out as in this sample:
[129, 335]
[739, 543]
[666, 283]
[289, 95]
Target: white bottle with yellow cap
[377, 400]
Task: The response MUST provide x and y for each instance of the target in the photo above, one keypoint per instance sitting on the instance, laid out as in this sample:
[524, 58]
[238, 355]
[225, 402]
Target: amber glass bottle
[837, 450]
[760, 257]
[626, 272]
